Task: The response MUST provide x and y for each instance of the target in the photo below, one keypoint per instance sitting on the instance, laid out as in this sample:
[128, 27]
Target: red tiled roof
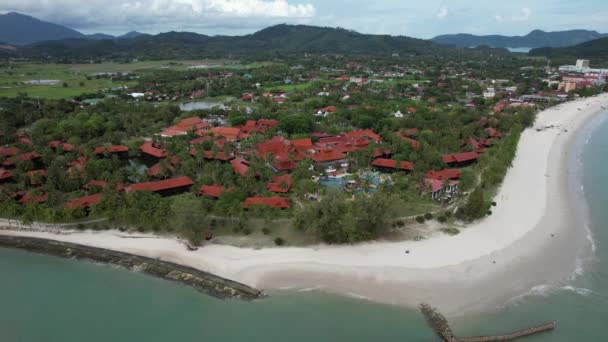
[29, 156]
[5, 174]
[214, 191]
[493, 133]
[36, 196]
[443, 174]
[77, 164]
[149, 149]
[230, 133]
[327, 155]
[156, 169]
[85, 202]
[95, 183]
[64, 146]
[302, 144]
[219, 155]
[36, 174]
[9, 151]
[273, 202]
[392, 164]
[280, 184]
[434, 185]
[184, 126]
[111, 149]
[414, 143]
[161, 185]
[460, 157]
[240, 166]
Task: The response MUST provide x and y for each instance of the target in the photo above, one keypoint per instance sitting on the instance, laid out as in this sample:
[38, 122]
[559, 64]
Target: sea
[49, 299]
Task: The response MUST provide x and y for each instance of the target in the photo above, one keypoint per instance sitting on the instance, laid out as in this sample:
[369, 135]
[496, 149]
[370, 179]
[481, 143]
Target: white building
[582, 63]
[490, 93]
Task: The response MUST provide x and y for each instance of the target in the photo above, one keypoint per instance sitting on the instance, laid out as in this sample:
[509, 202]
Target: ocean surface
[48, 299]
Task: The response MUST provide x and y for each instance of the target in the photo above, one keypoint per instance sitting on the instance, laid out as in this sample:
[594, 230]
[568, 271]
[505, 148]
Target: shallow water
[45, 298]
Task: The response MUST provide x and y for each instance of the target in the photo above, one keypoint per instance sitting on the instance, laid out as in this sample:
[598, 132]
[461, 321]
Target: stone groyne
[203, 281]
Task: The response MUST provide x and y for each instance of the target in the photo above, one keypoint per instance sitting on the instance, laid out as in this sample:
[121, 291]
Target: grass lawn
[12, 78]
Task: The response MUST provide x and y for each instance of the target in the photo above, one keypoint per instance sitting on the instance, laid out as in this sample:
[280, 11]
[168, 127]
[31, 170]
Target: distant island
[534, 39]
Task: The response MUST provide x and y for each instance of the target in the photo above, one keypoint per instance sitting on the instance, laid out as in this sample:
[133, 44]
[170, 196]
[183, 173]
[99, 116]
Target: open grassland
[78, 77]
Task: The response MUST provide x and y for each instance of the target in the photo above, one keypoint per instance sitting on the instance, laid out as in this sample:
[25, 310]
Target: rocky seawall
[203, 281]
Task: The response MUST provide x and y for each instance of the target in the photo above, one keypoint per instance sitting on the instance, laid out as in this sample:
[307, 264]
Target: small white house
[398, 114]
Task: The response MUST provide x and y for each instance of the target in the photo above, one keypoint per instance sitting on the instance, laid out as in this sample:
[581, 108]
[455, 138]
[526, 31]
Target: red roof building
[85, 202]
[5, 175]
[77, 165]
[158, 169]
[391, 165]
[443, 174]
[8, 151]
[29, 156]
[184, 126]
[36, 196]
[280, 184]
[149, 150]
[240, 166]
[328, 155]
[164, 187]
[36, 176]
[273, 202]
[113, 149]
[493, 133]
[213, 191]
[58, 144]
[460, 159]
[230, 133]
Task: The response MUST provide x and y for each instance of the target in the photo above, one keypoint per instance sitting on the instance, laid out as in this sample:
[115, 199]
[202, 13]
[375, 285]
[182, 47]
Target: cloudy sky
[423, 19]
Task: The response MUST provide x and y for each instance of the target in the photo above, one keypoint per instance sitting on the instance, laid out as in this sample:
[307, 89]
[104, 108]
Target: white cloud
[443, 13]
[163, 14]
[523, 15]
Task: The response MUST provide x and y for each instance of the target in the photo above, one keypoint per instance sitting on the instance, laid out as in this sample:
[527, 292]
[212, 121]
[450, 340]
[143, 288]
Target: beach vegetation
[420, 219]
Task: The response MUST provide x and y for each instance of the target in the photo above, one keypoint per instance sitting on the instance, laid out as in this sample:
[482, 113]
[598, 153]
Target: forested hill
[595, 50]
[21, 29]
[283, 39]
[534, 39]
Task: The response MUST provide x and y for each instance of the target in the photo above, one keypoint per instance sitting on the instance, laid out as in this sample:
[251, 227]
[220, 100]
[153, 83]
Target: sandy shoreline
[532, 238]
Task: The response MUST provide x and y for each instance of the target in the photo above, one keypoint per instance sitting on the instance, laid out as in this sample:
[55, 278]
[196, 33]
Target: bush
[420, 219]
[279, 241]
[489, 212]
[442, 219]
[428, 216]
[266, 231]
[247, 231]
[451, 231]
[448, 214]
[493, 204]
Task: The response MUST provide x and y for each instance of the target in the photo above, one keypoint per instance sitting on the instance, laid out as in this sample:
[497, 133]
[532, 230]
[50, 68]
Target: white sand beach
[532, 238]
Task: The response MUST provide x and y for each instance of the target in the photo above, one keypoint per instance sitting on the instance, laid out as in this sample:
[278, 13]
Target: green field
[12, 78]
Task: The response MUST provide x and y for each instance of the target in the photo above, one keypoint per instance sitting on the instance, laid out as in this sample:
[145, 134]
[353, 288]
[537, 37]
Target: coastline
[200, 280]
[532, 236]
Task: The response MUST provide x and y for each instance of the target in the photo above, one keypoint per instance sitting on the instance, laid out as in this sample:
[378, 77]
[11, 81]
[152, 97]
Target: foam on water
[578, 290]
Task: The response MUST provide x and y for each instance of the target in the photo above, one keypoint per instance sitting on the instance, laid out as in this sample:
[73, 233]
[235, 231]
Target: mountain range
[19, 29]
[596, 50]
[534, 39]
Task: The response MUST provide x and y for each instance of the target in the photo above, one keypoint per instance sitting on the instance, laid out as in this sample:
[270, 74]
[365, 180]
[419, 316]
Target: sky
[421, 19]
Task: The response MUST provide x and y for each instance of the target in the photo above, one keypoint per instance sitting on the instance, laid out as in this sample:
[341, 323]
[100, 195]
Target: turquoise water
[47, 299]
